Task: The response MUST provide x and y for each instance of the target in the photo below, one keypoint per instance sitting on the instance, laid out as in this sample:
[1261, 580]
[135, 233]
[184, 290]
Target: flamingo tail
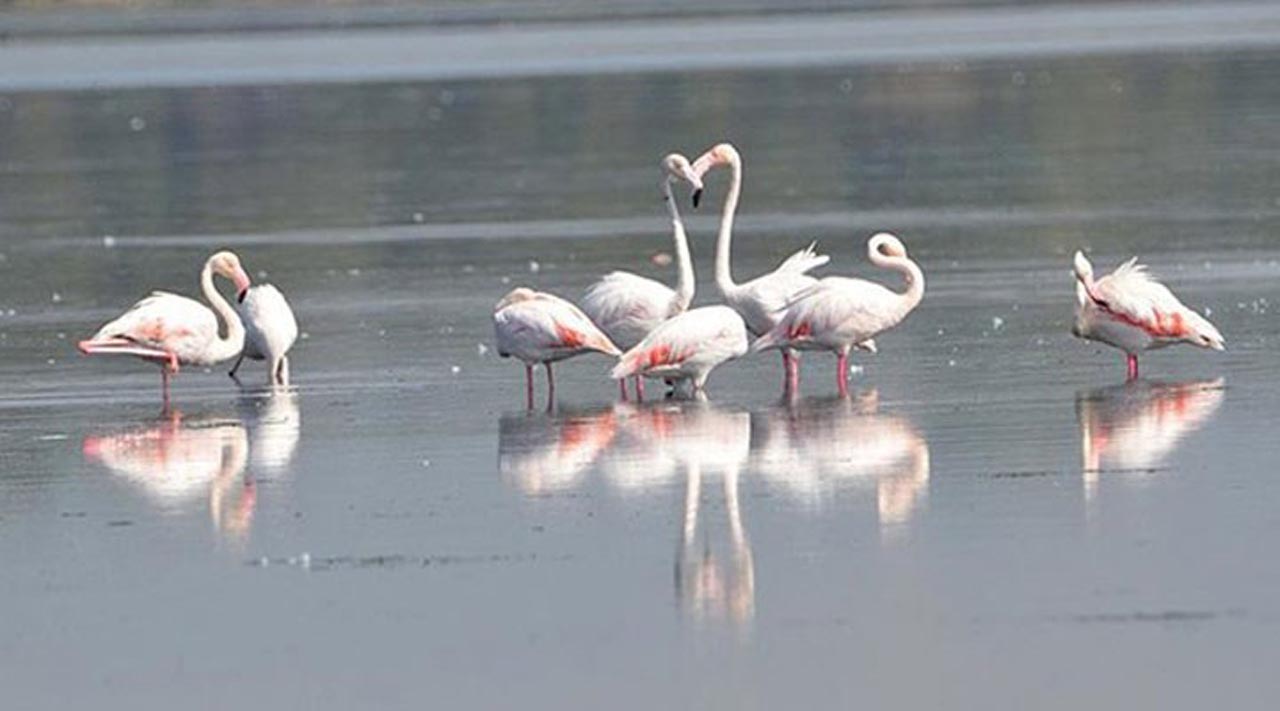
[804, 260]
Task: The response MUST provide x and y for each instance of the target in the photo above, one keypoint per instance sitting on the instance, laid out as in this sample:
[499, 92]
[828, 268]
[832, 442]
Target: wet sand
[994, 519]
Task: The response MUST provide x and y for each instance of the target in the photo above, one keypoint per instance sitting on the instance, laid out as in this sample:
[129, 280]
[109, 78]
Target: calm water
[994, 519]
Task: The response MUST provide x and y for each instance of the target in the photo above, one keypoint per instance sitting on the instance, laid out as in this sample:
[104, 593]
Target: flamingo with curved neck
[840, 313]
[168, 329]
[762, 300]
[626, 306]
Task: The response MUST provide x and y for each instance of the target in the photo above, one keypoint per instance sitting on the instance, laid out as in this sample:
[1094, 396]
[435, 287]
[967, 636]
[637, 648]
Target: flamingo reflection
[540, 453]
[1135, 426]
[176, 461]
[812, 448]
[275, 425]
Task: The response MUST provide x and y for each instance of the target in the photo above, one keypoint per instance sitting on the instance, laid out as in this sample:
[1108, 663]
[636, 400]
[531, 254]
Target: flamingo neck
[684, 263]
[229, 346]
[724, 278]
[910, 271]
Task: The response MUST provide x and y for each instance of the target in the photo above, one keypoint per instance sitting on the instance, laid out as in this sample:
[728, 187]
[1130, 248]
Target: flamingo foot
[1132, 363]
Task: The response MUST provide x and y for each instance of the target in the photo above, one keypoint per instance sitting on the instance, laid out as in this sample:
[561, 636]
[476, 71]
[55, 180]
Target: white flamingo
[169, 330]
[761, 300]
[1132, 311]
[840, 313]
[269, 331]
[687, 347]
[627, 306]
[537, 327]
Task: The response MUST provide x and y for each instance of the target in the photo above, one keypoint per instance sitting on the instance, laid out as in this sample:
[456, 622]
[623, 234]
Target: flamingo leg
[551, 387]
[622, 388]
[1133, 366]
[528, 385]
[842, 373]
[283, 371]
[786, 368]
[236, 367]
[639, 389]
[164, 386]
[791, 360]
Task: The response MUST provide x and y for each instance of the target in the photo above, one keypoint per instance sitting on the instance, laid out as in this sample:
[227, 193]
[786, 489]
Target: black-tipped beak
[240, 296]
[697, 197]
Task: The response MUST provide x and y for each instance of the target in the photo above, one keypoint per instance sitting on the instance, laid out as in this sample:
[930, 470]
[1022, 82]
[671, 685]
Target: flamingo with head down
[270, 331]
[627, 306]
[1132, 311]
[839, 313]
[687, 347]
[537, 327]
[172, 330]
[760, 301]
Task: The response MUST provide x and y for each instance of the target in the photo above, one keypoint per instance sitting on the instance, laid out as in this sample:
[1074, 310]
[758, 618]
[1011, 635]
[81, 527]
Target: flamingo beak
[697, 197]
[242, 284]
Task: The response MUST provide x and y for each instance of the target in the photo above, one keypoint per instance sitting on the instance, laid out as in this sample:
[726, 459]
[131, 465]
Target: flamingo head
[884, 244]
[719, 154]
[227, 264]
[1083, 269]
[677, 167]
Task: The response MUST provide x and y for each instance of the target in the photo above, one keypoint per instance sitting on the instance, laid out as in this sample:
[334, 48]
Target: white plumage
[687, 347]
[270, 331]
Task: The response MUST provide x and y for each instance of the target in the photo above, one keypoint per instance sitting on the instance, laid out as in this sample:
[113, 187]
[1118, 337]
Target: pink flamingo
[537, 327]
[270, 331]
[628, 306]
[760, 301]
[1132, 311]
[840, 313]
[687, 347]
[169, 330]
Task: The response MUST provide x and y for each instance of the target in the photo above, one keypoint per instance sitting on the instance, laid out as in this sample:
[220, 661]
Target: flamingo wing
[269, 323]
[627, 306]
[546, 327]
[703, 336]
[160, 324]
[803, 261]
[834, 311]
[1132, 296]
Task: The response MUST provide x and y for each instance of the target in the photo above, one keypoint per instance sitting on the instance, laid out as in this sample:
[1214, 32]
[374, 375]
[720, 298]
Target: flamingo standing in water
[628, 306]
[537, 327]
[270, 331]
[169, 330]
[839, 313]
[1132, 311]
[687, 347]
[760, 301]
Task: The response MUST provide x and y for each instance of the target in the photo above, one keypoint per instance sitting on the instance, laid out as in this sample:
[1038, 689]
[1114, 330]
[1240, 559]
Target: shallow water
[994, 518]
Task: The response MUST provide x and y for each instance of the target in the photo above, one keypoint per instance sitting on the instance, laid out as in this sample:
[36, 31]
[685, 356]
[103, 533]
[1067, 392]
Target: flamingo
[840, 313]
[169, 330]
[761, 300]
[627, 306]
[537, 327]
[270, 331]
[687, 347]
[1132, 311]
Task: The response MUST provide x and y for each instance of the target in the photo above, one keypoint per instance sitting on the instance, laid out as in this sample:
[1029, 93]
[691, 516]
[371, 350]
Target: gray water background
[994, 520]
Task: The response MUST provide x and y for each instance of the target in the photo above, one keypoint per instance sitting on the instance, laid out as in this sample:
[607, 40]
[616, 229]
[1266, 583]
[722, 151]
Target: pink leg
[793, 372]
[1133, 367]
[622, 388]
[164, 385]
[551, 387]
[639, 389]
[842, 373]
[528, 385]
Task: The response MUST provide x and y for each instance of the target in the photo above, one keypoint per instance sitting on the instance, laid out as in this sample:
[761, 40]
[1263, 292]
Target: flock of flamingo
[649, 326]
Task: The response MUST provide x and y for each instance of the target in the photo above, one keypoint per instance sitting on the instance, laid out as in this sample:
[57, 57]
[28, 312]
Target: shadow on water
[1133, 428]
[178, 461]
[808, 448]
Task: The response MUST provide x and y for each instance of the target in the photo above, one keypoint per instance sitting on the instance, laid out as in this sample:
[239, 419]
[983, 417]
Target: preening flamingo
[170, 330]
[627, 306]
[687, 347]
[840, 313]
[1132, 311]
[537, 327]
[761, 300]
[269, 331]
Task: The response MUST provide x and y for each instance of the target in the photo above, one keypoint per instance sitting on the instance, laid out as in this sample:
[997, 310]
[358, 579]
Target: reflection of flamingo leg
[622, 388]
[1133, 366]
[528, 385]
[692, 495]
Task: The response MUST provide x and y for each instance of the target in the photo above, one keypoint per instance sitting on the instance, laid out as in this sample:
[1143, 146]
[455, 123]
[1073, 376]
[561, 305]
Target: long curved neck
[684, 263]
[724, 279]
[910, 271]
[229, 346]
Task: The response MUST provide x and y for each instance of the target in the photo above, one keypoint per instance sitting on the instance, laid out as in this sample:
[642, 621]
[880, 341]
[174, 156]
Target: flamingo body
[762, 300]
[537, 327]
[840, 313]
[628, 306]
[156, 327]
[1130, 310]
[270, 331]
[687, 347]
